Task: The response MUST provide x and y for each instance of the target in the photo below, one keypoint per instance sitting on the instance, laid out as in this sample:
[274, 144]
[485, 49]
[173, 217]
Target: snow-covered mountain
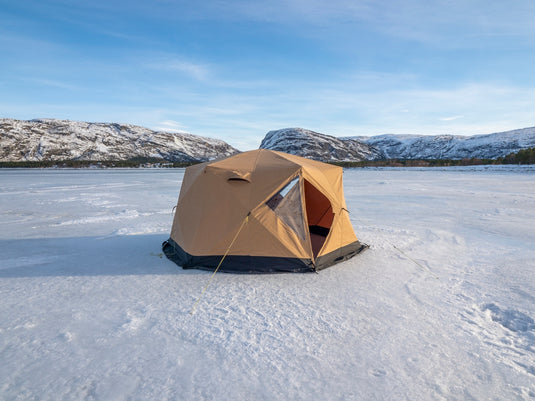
[50, 139]
[306, 143]
[489, 146]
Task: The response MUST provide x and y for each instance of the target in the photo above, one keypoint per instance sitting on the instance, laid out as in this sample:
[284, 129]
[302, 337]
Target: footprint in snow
[509, 318]
[378, 372]
[515, 343]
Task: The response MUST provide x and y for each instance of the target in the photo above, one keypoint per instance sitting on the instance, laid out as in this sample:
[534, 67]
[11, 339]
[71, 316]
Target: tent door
[319, 216]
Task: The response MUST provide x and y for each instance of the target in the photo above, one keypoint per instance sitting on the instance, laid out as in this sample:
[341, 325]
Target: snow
[91, 310]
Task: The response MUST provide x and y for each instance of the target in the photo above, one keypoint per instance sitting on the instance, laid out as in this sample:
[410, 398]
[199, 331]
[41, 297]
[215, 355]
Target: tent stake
[401, 252]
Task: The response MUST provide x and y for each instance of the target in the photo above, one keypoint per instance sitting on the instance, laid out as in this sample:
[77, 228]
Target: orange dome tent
[261, 212]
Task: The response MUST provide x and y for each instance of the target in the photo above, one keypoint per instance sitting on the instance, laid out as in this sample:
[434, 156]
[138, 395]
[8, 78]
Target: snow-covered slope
[489, 146]
[306, 143]
[50, 139]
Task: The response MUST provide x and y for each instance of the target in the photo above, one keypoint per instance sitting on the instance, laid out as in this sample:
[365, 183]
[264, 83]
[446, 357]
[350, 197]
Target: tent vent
[240, 176]
[237, 179]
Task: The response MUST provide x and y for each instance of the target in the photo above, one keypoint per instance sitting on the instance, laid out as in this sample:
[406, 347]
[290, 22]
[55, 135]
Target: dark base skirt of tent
[258, 264]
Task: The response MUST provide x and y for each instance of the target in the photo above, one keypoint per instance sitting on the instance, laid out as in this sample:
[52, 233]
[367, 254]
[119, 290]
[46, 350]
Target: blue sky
[236, 69]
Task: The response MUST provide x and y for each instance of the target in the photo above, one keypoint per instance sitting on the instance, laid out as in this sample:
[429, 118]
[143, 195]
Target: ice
[440, 307]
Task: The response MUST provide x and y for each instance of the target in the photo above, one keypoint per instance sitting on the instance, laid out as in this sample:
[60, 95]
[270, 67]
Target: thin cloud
[455, 23]
[199, 72]
[452, 118]
[55, 84]
[171, 126]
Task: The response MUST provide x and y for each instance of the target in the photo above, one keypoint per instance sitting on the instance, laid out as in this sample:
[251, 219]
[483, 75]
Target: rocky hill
[306, 143]
[50, 139]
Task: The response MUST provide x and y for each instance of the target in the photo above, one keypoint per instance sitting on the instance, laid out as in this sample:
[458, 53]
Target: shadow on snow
[86, 256]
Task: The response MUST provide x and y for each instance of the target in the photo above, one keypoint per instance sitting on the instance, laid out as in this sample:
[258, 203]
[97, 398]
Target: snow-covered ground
[441, 307]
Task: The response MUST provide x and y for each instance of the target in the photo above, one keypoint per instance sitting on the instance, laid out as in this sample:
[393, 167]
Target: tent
[261, 211]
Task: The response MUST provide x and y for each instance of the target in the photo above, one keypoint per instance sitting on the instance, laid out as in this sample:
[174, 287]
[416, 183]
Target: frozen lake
[441, 307]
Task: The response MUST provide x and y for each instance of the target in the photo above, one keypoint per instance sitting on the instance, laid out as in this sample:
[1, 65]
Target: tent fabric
[297, 218]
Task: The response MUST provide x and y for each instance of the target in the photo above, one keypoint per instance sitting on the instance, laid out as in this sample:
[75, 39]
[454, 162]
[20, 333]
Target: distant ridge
[306, 143]
[57, 140]
[60, 140]
[490, 146]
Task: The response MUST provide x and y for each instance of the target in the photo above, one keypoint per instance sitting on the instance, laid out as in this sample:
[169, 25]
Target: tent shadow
[87, 256]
